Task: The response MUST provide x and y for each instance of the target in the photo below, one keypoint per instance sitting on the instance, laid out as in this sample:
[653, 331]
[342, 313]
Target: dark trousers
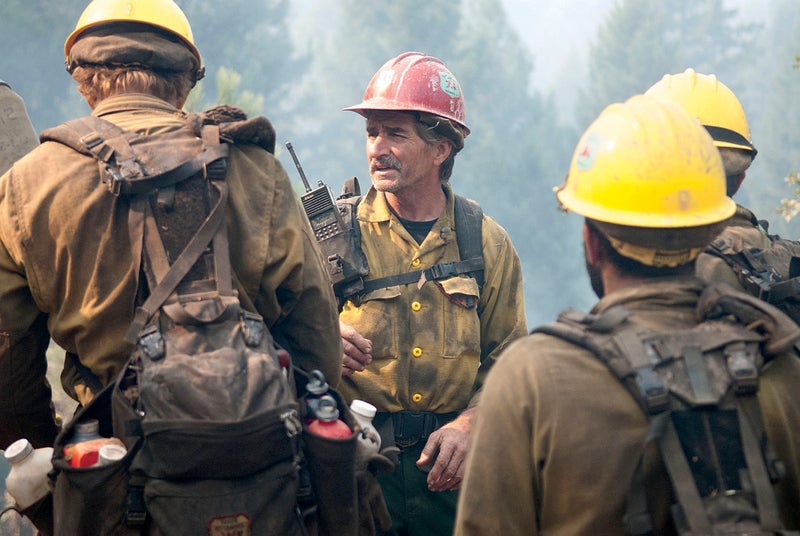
[415, 510]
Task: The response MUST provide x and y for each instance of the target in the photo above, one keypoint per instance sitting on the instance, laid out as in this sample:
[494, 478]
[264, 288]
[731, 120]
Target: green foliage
[641, 40]
[228, 92]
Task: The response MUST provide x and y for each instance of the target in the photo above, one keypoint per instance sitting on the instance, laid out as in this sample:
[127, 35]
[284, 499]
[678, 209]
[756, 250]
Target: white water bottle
[27, 480]
[364, 412]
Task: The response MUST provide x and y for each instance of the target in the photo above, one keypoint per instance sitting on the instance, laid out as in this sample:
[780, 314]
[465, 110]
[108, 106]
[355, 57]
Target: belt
[408, 427]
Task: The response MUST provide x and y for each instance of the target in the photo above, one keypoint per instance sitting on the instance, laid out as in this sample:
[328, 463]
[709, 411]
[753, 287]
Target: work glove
[373, 513]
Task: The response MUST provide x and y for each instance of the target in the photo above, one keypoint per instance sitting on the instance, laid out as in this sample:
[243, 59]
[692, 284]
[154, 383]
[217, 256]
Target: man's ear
[442, 150]
[593, 244]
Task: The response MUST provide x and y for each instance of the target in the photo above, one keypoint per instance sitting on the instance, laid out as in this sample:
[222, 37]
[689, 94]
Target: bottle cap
[111, 453]
[327, 410]
[18, 450]
[89, 427]
[317, 384]
[363, 408]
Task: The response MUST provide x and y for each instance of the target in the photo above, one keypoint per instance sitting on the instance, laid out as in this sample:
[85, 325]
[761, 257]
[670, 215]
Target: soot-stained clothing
[66, 267]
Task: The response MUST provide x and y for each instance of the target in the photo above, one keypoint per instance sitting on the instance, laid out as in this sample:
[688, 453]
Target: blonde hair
[98, 82]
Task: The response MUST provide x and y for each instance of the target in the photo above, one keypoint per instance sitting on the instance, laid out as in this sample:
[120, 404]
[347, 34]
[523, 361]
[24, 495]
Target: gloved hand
[372, 510]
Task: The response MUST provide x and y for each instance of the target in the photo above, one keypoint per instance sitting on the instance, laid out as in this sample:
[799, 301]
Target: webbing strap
[751, 445]
[682, 479]
[434, 273]
[469, 223]
[468, 217]
[169, 281]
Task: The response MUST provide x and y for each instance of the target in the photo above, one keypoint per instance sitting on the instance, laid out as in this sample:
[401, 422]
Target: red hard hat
[415, 82]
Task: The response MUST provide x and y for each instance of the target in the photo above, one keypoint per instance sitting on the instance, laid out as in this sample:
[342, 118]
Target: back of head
[152, 35]
[415, 82]
[651, 180]
[712, 103]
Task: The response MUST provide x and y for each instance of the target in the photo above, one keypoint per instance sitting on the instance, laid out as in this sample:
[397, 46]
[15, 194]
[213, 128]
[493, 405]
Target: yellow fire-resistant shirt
[431, 345]
[66, 265]
[557, 437]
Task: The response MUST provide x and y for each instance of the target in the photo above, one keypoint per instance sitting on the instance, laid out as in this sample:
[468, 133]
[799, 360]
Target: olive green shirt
[557, 437]
[742, 232]
[432, 344]
[66, 267]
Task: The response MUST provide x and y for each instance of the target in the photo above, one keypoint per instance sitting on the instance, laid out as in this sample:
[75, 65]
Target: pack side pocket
[252, 506]
[331, 464]
[91, 500]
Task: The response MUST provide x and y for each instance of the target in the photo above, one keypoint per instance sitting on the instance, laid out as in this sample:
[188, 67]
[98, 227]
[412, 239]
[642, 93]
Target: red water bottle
[328, 423]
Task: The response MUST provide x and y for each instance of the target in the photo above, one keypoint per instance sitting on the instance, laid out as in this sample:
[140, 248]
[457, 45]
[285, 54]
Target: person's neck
[418, 205]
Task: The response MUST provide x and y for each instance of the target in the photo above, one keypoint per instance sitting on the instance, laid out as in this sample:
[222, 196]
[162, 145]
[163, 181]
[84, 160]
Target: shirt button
[416, 306]
[415, 262]
[416, 397]
[416, 352]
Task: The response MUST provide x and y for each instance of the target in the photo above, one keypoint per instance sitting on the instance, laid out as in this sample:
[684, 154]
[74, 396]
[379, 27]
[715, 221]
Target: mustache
[388, 161]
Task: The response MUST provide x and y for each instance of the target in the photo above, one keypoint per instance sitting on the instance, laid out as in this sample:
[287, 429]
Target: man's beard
[595, 278]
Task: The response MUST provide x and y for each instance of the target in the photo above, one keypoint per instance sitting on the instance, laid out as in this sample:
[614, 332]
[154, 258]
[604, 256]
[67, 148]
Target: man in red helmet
[432, 319]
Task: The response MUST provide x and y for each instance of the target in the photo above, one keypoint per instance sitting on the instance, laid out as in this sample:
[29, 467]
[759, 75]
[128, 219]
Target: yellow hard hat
[712, 103]
[163, 14]
[646, 163]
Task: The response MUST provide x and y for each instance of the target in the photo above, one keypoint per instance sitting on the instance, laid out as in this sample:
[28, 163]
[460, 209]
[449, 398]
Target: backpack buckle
[152, 343]
[742, 369]
[252, 329]
[440, 271]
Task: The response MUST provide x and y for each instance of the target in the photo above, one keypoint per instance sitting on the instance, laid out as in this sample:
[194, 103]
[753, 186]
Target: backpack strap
[469, 222]
[164, 278]
[632, 355]
[120, 169]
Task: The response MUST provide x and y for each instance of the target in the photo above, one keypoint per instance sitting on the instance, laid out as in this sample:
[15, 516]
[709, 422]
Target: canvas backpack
[771, 274]
[697, 386]
[208, 406]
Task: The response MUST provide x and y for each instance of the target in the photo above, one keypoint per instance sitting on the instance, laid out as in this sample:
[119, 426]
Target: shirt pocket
[377, 319]
[461, 336]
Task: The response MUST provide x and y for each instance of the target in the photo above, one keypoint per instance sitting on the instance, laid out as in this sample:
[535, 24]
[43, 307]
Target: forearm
[26, 408]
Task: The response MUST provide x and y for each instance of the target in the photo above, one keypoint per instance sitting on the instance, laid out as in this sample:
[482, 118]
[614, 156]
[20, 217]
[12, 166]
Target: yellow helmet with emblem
[651, 176]
[162, 14]
[712, 103]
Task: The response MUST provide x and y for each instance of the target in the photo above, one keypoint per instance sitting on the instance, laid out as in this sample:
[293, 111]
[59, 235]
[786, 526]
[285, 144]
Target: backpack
[771, 274]
[697, 387]
[209, 406]
[468, 222]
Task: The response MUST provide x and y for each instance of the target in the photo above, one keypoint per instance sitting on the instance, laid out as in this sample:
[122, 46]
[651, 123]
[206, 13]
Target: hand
[357, 350]
[445, 453]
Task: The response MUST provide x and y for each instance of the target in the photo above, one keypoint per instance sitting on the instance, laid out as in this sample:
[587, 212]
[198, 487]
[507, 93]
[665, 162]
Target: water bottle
[83, 450]
[316, 387]
[27, 481]
[368, 438]
[328, 423]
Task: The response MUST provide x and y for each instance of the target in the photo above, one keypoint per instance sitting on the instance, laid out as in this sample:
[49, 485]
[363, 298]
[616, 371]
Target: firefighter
[67, 267]
[558, 437]
[418, 345]
[718, 109]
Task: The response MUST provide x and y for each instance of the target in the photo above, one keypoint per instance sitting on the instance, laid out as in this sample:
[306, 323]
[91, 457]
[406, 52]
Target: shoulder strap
[167, 277]
[120, 168]
[632, 355]
[469, 236]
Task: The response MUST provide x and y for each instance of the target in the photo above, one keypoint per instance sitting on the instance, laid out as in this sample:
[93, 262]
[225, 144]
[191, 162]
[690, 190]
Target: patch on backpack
[232, 525]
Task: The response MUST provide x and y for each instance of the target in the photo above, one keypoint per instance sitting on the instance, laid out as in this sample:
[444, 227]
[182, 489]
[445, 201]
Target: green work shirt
[432, 344]
[742, 232]
[557, 437]
[66, 266]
